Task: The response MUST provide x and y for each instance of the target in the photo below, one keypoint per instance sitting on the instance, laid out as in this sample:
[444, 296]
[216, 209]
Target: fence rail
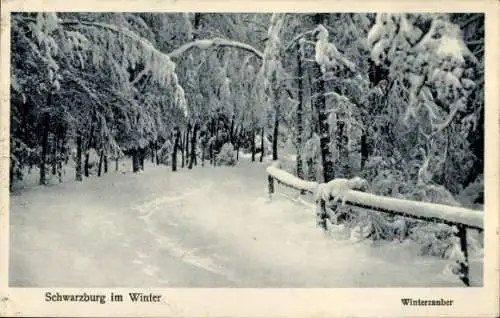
[460, 217]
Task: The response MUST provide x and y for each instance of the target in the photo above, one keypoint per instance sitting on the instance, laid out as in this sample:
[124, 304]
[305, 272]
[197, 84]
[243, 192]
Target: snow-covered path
[208, 227]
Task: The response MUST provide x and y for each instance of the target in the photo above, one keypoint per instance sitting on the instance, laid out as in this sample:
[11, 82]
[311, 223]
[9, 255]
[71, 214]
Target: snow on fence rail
[343, 189]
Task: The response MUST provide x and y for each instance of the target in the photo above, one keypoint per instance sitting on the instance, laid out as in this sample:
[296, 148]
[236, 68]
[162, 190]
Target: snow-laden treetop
[429, 52]
[326, 54]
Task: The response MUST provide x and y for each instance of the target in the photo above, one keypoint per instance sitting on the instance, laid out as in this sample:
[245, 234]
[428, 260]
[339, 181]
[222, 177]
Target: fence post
[464, 266]
[270, 186]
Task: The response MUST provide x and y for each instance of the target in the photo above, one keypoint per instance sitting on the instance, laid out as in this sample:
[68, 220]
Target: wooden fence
[439, 213]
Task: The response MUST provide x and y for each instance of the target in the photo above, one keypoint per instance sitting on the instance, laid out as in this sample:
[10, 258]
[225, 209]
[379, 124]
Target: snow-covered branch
[130, 34]
[207, 43]
[201, 44]
[152, 55]
[295, 40]
[139, 76]
[327, 54]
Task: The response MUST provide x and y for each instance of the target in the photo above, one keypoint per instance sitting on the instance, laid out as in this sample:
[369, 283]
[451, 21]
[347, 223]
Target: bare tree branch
[473, 42]
[139, 76]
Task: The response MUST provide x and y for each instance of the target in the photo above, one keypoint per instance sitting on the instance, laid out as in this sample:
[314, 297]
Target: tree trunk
[59, 170]
[211, 142]
[320, 105]
[210, 154]
[276, 130]
[196, 25]
[193, 147]
[116, 164]
[231, 131]
[195, 158]
[313, 126]
[343, 157]
[151, 149]
[55, 149]
[238, 137]
[45, 145]
[87, 150]
[277, 115]
[253, 145]
[215, 147]
[186, 145]
[217, 136]
[174, 154]
[54, 152]
[262, 144]
[101, 159]
[300, 97]
[65, 147]
[45, 140]
[182, 142]
[86, 164]
[324, 131]
[311, 170]
[79, 157]
[135, 160]
[203, 147]
[364, 150]
[62, 152]
[105, 164]
[142, 157]
[212, 127]
[156, 153]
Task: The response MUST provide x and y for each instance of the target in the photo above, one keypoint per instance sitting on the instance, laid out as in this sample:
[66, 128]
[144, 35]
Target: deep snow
[206, 227]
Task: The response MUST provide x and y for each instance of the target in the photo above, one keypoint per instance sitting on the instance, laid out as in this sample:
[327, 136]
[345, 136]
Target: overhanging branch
[207, 43]
[201, 44]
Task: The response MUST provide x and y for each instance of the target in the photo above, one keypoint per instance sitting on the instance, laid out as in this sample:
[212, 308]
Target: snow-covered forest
[155, 107]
